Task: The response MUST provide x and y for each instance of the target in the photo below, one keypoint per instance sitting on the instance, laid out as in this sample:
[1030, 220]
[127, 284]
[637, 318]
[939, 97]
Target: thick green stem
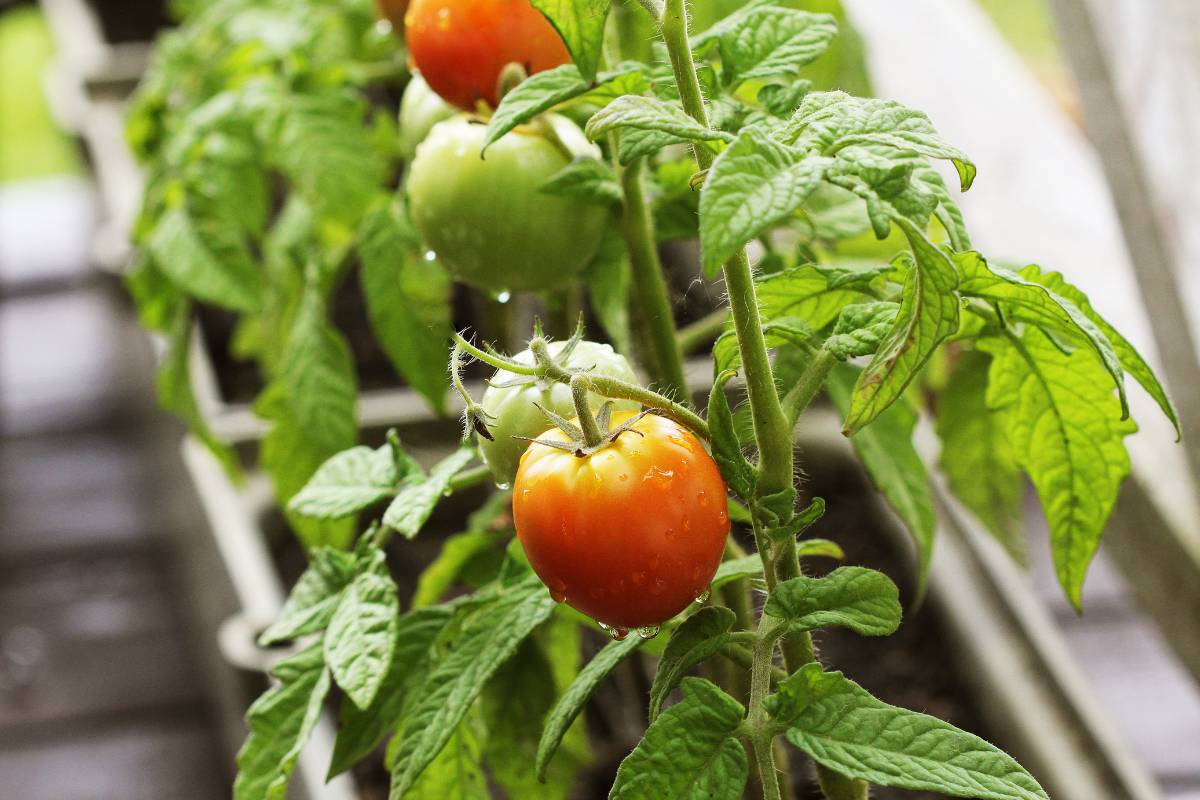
[649, 284]
[592, 435]
[759, 722]
[771, 430]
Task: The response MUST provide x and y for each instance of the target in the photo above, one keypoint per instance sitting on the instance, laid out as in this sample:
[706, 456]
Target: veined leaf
[770, 41]
[778, 332]
[752, 185]
[697, 639]
[1066, 431]
[830, 121]
[885, 447]
[314, 597]
[451, 686]
[727, 451]
[588, 179]
[976, 456]
[572, 701]
[664, 122]
[842, 727]
[280, 723]
[690, 752]
[928, 314]
[362, 632]
[860, 329]
[361, 730]
[408, 301]
[608, 278]
[542, 91]
[580, 23]
[1024, 300]
[347, 483]
[1130, 359]
[419, 495]
[808, 293]
[457, 772]
[863, 600]
[751, 566]
[209, 261]
[482, 534]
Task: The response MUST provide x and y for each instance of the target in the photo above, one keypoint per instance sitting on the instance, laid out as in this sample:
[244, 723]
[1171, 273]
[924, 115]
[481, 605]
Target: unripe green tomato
[486, 218]
[420, 109]
[514, 411]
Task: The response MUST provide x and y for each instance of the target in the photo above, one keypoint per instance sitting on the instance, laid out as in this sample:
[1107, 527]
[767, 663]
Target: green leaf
[886, 181]
[280, 723]
[753, 184]
[408, 301]
[650, 123]
[361, 730]
[863, 600]
[809, 293]
[209, 261]
[608, 279]
[457, 772]
[541, 92]
[691, 751]
[588, 179]
[1130, 359]
[885, 447]
[771, 41]
[572, 701]
[420, 494]
[489, 639]
[1027, 301]
[844, 728]
[751, 566]
[861, 328]
[174, 386]
[460, 549]
[314, 597]
[580, 23]
[515, 705]
[362, 632]
[1066, 431]
[738, 472]
[830, 121]
[697, 639]
[347, 483]
[976, 456]
[928, 314]
[783, 99]
[727, 354]
[322, 143]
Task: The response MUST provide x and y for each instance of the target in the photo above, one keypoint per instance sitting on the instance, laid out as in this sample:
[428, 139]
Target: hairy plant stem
[649, 294]
[758, 722]
[772, 427]
[592, 435]
[802, 394]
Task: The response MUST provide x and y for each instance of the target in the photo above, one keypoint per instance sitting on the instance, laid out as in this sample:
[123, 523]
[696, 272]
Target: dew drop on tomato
[648, 632]
[702, 598]
[504, 487]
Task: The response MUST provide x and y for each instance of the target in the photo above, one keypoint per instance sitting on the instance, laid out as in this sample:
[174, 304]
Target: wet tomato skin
[461, 46]
[629, 535]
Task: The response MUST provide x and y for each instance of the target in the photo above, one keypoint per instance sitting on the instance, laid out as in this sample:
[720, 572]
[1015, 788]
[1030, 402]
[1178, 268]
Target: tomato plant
[512, 407]
[487, 218]
[628, 534]
[420, 109]
[463, 46]
[271, 180]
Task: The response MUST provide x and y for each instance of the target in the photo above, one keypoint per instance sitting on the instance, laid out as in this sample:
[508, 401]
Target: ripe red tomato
[629, 535]
[461, 46]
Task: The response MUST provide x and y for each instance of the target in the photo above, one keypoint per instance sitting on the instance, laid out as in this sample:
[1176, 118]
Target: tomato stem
[494, 359]
[761, 729]
[813, 378]
[649, 295]
[592, 435]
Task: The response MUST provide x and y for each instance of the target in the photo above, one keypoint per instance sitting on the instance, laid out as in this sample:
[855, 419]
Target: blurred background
[129, 571]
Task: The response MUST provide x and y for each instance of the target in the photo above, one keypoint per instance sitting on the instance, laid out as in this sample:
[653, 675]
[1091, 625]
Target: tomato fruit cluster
[512, 403]
[487, 218]
[462, 46]
[630, 534]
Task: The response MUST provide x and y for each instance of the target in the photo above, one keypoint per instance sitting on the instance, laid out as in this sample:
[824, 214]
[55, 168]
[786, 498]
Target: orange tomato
[461, 46]
[631, 534]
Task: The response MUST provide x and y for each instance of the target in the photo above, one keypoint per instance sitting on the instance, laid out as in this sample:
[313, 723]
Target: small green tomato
[515, 413]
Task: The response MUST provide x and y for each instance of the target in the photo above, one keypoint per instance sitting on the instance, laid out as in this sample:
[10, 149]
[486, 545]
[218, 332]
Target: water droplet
[669, 533]
[524, 493]
[618, 634]
[722, 515]
[383, 27]
[702, 598]
[447, 492]
[702, 498]
[648, 632]
[503, 297]
[557, 597]
[623, 477]
[502, 486]
[687, 525]
[430, 255]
